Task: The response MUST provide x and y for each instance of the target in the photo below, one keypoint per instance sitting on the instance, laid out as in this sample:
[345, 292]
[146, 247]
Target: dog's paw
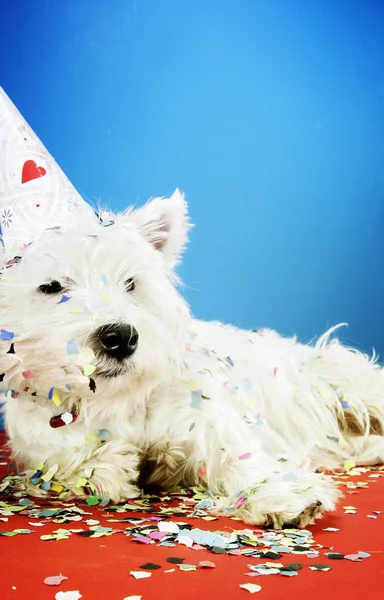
[163, 466]
[280, 503]
[109, 472]
[302, 520]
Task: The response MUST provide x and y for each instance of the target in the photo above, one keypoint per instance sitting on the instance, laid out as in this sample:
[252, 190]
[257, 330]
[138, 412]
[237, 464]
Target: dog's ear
[164, 223]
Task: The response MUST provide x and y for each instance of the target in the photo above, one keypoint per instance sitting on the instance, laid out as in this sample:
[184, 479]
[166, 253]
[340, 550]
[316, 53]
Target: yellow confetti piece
[55, 487]
[250, 587]
[192, 384]
[76, 309]
[56, 399]
[349, 464]
[349, 507]
[81, 482]
[50, 473]
[89, 369]
[106, 299]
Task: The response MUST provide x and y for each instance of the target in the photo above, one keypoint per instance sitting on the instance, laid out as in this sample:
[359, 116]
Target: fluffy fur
[250, 415]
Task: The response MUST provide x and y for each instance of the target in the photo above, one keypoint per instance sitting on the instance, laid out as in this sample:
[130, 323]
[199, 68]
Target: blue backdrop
[268, 113]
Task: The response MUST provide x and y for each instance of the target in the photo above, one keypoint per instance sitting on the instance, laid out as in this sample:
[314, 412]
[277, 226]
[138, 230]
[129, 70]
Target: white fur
[251, 415]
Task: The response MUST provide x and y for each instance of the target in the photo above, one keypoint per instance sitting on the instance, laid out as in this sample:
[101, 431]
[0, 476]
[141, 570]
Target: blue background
[268, 113]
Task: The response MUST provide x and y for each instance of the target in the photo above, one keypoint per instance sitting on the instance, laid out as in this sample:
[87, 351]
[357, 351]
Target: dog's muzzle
[117, 340]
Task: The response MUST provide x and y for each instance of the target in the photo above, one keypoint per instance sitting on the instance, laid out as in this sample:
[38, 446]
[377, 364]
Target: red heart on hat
[31, 171]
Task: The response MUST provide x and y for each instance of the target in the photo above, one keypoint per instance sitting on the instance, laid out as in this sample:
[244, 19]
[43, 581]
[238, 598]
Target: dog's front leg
[108, 471]
[250, 475]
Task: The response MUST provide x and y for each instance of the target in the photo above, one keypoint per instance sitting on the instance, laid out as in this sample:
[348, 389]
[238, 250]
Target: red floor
[100, 567]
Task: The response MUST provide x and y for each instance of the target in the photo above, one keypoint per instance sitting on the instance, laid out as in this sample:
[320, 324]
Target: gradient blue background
[268, 113]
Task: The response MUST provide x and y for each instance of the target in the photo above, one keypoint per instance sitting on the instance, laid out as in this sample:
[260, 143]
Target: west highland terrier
[110, 385]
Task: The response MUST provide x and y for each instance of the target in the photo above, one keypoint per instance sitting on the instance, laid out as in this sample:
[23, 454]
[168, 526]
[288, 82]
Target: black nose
[118, 341]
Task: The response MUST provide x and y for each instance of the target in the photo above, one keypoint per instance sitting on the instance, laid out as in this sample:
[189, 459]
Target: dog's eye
[53, 287]
[129, 285]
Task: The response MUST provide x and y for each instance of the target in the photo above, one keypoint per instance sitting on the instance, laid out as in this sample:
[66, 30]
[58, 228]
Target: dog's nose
[118, 341]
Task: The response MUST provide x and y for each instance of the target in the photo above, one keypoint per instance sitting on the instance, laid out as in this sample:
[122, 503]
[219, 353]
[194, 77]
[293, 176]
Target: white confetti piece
[55, 579]
[168, 527]
[140, 574]
[73, 595]
[251, 587]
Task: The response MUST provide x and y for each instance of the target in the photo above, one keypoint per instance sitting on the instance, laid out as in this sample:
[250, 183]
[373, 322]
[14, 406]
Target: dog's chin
[113, 368]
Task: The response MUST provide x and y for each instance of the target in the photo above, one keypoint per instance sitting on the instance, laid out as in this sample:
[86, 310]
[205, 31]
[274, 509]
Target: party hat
[34, 192]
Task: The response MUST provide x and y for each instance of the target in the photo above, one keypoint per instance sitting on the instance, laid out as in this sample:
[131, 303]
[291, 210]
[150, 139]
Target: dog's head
[91, 302]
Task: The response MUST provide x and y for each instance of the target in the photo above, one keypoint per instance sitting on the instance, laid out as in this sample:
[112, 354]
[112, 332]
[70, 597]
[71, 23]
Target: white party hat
[34, 192]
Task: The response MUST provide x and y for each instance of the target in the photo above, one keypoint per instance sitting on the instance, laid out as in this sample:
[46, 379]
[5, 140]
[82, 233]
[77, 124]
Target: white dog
[110, 384]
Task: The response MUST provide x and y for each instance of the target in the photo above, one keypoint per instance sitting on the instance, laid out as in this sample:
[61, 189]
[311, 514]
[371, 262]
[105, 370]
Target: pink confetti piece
[157, 535]
[207, 564]
[55, 579]
[245, 456]
[240, 501]
[142, 538]
[27, 374]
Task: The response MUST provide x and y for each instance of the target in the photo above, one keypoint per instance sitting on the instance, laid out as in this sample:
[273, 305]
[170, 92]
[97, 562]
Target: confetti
[74, 595]
[196, 399]
[27, 374]
[245, 456]
[150, 566]
[72, 347]
[89, 369]
[153, 527]
[56, 399]
[320, 567]
[364, 554]
[140, 574]
[63, 299]
[133, 598]
[207, 564]
[295, 566]
[250, 587]
[55, 579]
[168, 527]
[185, 567]
[6, 335]
[175, 560]
[348, 465]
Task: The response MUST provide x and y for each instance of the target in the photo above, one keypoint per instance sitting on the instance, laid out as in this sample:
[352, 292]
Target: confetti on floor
[140, 574]
[73, 595]
[55, 579]
[251, 587]
[146, 523]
